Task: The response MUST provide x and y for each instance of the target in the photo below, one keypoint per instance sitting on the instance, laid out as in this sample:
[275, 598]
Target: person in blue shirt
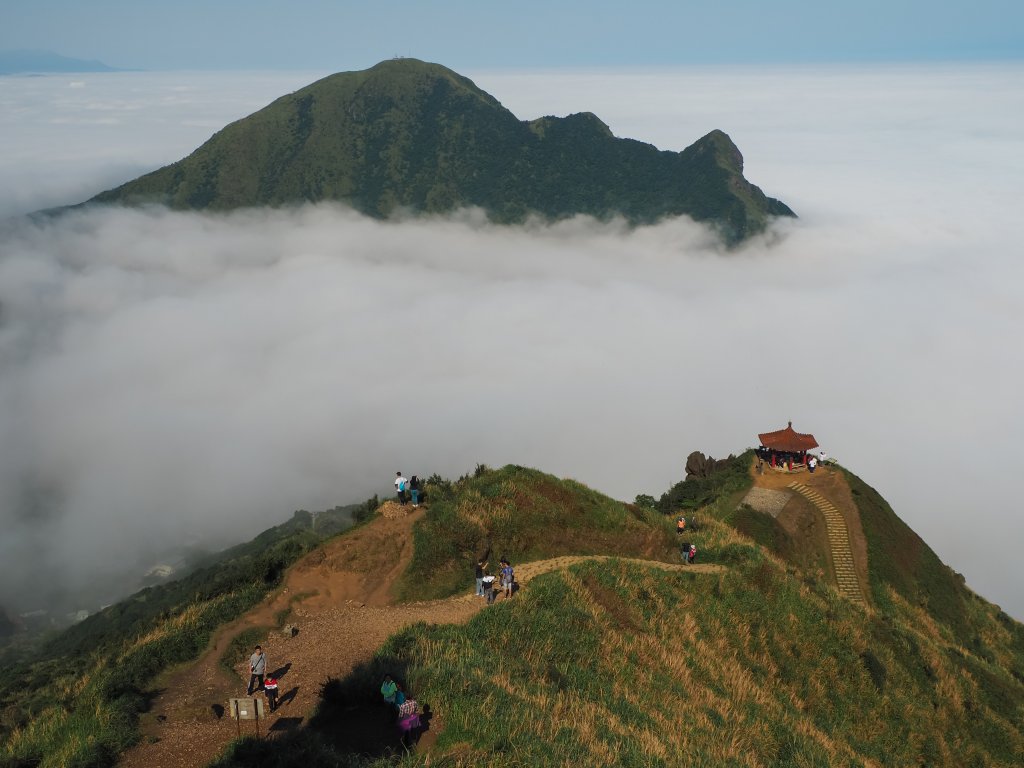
[507, 577]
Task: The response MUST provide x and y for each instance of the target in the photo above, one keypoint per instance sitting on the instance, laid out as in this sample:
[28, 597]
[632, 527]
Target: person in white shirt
[821, 457]
[400, 483]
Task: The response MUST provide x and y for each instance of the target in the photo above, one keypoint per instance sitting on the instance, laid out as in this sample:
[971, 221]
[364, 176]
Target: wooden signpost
[247, 709]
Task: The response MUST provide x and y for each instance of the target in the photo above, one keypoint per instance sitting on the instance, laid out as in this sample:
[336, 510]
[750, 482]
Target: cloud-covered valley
[174, 377]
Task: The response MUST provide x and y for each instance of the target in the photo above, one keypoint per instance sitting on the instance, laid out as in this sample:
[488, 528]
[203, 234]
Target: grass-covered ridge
[621, 665]
[618, 664]
[615, 663]
[522, 514]
[903, 568]
[75, 700]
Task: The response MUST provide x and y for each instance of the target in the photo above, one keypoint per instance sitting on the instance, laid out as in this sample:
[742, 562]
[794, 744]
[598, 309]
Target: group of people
[688, 552]
[257, 670]
[405, 708]
[413, 486]
[790, 459]
[485, 586]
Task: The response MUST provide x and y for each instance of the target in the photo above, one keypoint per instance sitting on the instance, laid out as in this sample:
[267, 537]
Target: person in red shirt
[270, 686]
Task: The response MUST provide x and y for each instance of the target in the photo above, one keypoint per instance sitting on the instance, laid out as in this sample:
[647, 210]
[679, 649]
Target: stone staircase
[839, 544]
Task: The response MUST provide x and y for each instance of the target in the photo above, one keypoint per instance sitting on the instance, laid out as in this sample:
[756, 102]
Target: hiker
[400, 483]
[822, 458]
[388, 689]
[270, 687]
[693, 553]
[507, 578]
[414, 489]
[684, 552]
[812, 463]
[680, 525]
[488, 585]
[480, 567]
[408, 720]
[257, 667]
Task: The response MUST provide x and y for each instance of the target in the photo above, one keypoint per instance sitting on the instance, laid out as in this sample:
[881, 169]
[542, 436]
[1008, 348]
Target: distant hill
[406, 134]
[42, 62]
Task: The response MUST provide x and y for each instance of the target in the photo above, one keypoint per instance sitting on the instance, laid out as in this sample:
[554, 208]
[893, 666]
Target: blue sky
[340, 34]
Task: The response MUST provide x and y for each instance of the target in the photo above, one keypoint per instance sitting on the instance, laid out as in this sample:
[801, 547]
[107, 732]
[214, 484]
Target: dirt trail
[342, 605]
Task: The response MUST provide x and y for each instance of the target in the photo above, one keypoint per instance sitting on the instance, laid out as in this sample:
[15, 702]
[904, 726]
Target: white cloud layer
[166, 377]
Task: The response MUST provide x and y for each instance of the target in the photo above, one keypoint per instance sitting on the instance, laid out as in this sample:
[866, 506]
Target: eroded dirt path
[342, 605]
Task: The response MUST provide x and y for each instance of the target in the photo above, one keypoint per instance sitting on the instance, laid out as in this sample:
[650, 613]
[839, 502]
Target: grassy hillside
[412, 135]
[905, 570]
[619, 664]
[604, 663]
[75, 700]
[524, 515]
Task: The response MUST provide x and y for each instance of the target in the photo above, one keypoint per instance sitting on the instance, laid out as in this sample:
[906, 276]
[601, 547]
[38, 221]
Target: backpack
[401, 486]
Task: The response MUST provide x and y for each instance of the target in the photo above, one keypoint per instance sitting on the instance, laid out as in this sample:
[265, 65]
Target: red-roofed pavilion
[788, 441]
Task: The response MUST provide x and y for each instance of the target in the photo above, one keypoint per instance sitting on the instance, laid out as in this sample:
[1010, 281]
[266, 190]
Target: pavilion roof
[788, 440]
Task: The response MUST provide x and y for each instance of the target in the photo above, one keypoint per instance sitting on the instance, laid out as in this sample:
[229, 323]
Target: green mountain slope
[616, 663]
[406, 134]
[74, 698]
[529, 513]
[600, 663]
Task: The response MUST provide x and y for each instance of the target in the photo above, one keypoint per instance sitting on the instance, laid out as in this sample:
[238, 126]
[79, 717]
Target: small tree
[645, 501]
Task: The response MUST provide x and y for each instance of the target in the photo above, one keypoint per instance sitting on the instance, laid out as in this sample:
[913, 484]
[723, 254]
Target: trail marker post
[247, 709]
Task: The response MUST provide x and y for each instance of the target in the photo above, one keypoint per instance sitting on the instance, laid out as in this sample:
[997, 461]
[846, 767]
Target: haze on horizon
[334, 36]
[170, 376]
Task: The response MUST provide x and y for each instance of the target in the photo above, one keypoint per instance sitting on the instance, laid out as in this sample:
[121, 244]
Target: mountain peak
[396, 75]
[724, 149]
[415, 135]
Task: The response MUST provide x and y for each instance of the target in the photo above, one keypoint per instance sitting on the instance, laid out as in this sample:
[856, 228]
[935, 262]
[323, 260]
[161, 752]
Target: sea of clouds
[171, 378]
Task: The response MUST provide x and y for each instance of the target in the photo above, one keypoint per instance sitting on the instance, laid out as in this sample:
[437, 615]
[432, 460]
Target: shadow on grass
[285, 724]
[352, 724]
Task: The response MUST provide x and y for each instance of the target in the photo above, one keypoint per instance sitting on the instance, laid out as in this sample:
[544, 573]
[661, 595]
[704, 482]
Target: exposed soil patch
[767, 500]
[355, 570]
